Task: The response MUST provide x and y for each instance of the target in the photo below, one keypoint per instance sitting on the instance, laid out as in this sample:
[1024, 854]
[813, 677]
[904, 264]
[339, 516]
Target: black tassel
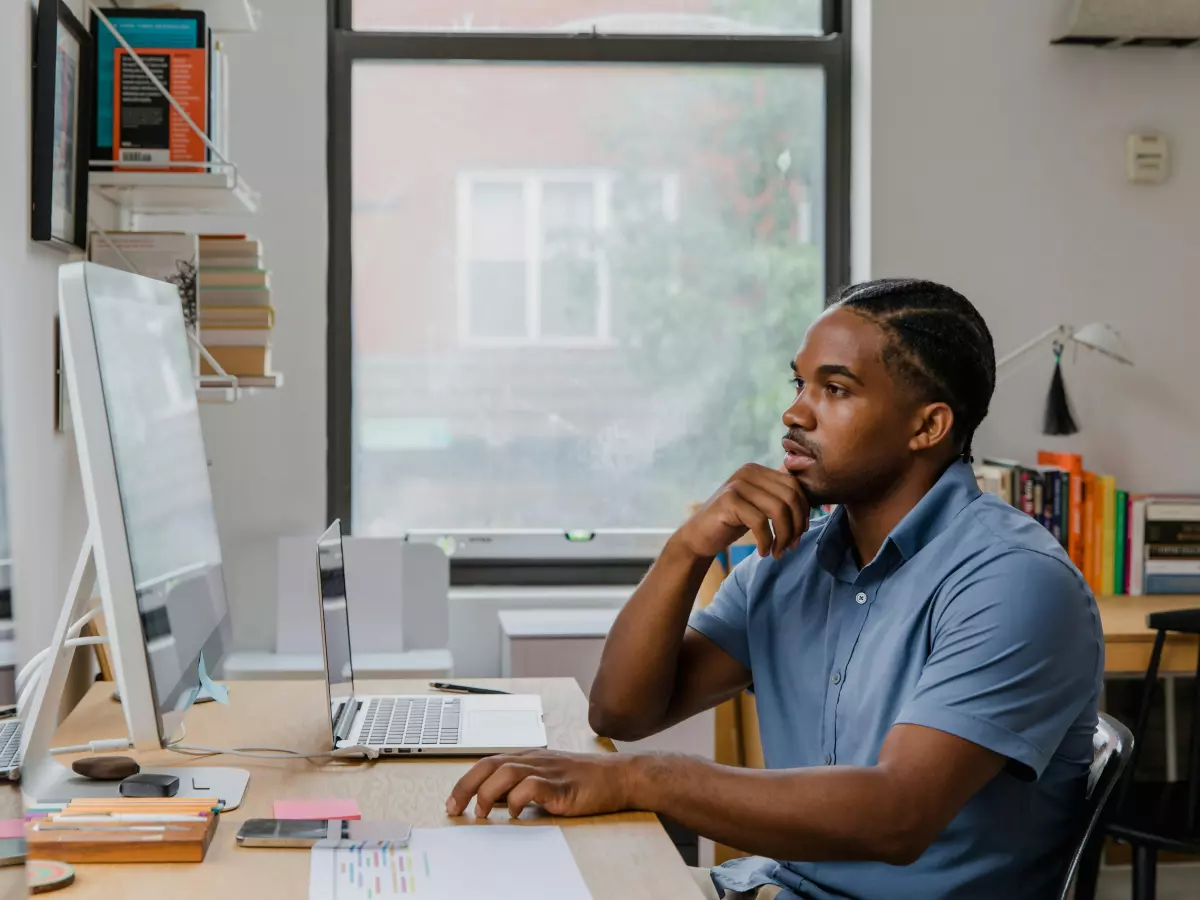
[1059, 419]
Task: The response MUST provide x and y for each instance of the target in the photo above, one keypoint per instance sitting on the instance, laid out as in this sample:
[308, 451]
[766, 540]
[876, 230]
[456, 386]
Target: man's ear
[933, 427]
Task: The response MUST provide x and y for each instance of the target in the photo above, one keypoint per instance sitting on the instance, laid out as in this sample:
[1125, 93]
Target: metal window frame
[830, 52]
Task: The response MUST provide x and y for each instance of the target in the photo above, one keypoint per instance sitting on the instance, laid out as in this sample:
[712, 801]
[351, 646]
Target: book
[1119, 543]
[141, 28]
[165, 255]
[238, 360]
[211, 277]
[1090, 545]
[224, 297]
[237, 317]
[1108, 525]
[1072, 463]
[238, 337]
[147, 130]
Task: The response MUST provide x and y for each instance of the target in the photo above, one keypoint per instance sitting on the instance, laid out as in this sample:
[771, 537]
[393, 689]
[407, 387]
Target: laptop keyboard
[408, 722]
[10, 744]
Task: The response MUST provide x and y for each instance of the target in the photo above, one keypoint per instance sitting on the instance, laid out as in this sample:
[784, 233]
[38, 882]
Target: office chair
[1153, 816]
[1112, 750]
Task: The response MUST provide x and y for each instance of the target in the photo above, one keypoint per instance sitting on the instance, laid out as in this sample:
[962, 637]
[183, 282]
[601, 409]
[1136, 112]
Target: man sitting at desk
[926, 661]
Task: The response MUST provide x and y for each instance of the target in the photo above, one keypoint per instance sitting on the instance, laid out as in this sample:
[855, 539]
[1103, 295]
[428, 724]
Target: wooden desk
[1128, 642]
[627, 856]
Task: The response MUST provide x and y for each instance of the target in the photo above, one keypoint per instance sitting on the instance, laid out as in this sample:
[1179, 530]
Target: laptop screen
[335, 619]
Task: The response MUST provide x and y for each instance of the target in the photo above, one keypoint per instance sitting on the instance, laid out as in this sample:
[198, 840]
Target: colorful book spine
[1120, 543]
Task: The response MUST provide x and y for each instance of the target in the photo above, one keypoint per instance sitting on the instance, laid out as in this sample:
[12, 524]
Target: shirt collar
[950, 495]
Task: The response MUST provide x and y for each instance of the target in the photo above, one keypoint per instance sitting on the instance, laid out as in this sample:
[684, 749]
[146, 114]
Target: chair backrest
[1111, 749]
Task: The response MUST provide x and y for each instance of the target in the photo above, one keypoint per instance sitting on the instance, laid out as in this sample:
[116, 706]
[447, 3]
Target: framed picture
[62, 124]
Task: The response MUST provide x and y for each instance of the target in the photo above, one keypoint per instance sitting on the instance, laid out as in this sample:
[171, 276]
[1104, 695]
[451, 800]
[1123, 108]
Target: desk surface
[627, 856]
[1128, 640]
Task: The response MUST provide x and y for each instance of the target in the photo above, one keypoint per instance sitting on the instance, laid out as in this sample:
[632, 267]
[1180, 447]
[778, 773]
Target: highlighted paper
[483, 862]
[334, 808]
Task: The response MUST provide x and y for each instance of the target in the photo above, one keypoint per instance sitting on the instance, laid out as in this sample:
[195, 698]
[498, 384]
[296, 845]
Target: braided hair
[937, 341]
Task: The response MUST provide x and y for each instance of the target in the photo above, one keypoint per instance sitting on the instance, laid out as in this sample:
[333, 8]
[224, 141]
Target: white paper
[485, 862]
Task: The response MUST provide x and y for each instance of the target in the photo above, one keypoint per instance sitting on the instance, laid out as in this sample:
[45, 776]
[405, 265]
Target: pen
[462, 688]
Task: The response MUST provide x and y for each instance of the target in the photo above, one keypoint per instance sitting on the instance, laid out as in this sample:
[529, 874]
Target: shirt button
[860, 598]
[828, 759]
[837, 677]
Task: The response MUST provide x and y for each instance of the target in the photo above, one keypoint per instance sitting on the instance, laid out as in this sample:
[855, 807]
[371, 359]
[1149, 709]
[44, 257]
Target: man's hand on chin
[564, 784]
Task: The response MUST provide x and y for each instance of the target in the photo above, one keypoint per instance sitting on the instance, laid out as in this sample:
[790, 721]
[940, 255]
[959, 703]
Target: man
[926, 661]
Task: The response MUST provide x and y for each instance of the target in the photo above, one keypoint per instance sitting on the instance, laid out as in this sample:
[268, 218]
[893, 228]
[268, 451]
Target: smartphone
[12, 851]
[309, 832]
[282, 832]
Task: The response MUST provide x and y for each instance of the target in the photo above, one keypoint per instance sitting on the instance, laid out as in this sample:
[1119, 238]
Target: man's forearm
[636, 678]
[822, 813]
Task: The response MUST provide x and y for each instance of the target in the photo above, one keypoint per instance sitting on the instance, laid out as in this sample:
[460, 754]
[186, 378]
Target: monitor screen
[162, 475]
[335, 618]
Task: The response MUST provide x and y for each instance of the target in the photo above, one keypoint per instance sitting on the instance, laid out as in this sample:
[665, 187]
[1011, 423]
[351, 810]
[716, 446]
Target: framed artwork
[62, 123]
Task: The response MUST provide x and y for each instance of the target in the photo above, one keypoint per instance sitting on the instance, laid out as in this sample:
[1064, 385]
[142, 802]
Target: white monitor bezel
[101, 490]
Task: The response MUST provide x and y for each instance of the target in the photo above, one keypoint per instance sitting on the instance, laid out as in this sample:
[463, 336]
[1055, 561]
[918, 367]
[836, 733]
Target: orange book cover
[1072, 463]
[147, 130]
[1088, 535]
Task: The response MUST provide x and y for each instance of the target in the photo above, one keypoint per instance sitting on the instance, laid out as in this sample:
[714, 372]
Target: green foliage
[711, 303]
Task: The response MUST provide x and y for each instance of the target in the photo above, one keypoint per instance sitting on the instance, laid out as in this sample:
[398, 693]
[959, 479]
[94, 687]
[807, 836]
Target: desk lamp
[1098, 336]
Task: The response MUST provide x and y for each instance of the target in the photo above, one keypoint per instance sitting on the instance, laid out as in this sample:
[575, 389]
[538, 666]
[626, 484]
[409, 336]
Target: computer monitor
[151, 545]
[146, 484]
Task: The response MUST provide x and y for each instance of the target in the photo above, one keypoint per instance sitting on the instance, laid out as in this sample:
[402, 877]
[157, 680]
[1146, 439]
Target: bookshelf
[219, 193]
[177, 189]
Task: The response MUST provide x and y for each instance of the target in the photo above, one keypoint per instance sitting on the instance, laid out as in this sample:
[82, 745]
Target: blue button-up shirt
[970, 620]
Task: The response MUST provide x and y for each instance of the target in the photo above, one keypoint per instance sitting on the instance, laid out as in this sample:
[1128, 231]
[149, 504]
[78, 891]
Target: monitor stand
[226, 784]
[43, 779]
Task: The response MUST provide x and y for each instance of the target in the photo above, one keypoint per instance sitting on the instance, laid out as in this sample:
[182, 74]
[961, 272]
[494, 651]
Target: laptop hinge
[345, 719]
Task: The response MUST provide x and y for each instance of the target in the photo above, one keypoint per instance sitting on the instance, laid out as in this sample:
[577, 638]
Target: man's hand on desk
[564, 784]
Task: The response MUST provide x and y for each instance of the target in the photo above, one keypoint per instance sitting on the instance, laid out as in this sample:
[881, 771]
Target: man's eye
[798, 384]
[836, 390]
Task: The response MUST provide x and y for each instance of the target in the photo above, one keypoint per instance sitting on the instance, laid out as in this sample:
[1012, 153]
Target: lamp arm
[1063, 330]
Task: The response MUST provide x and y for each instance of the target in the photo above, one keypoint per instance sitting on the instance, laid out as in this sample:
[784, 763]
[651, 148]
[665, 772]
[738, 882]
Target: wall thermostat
[1146, 158]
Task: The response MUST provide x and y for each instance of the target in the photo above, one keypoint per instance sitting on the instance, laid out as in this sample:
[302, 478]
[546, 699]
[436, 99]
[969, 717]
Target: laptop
[409, 724]
[10, 749]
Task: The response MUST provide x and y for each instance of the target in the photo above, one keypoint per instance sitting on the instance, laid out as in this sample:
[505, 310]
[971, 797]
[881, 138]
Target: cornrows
[937, 341]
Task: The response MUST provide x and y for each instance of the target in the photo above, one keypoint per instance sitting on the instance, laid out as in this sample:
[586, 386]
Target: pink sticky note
[335, 808]
[12, 828]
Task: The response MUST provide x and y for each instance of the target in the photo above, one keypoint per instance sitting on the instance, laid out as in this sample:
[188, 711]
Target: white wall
[268, 450]
[45, 498]
[997, 166]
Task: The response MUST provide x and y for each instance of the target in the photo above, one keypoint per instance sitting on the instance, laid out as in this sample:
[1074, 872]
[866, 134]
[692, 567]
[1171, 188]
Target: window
[568, 273]
[532, 264]
[605, 16]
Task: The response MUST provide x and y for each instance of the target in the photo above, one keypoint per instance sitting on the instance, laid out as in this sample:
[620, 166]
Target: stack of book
[1122, 542]
[237, 319]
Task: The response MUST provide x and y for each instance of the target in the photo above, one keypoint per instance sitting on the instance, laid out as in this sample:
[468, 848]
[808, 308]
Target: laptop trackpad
[504, 728]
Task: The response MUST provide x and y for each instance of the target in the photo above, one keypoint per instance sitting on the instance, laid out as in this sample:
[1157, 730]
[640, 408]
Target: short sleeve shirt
[971, 620]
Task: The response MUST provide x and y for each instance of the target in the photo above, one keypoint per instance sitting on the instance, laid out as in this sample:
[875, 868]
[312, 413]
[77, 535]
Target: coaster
[48, 875]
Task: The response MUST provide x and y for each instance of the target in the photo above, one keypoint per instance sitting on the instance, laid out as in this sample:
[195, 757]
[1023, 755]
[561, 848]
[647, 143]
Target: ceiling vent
[1132, 23]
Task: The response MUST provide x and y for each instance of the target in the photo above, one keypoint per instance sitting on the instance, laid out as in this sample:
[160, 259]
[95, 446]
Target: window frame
[830, 52]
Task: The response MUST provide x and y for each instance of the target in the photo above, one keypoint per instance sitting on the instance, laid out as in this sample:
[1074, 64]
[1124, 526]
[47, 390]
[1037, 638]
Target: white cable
[252, 752]
[39, 658]
[95, 747]
[30, 668]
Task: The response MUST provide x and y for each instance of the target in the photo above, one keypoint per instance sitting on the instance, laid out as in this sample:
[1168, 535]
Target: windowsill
[547, 343]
